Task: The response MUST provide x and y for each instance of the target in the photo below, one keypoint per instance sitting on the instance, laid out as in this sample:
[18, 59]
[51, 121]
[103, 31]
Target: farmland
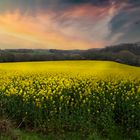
[72, 96]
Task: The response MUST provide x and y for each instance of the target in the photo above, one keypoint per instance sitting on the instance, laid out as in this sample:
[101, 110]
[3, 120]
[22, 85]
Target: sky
[68, 24]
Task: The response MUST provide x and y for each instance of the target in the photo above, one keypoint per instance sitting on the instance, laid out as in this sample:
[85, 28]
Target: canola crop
[71, 94]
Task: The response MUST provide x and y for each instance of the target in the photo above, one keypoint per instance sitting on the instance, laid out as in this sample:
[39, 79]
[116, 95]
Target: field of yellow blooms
[71, 95]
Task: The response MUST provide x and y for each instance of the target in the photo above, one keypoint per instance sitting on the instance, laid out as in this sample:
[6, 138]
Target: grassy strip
[8, 132]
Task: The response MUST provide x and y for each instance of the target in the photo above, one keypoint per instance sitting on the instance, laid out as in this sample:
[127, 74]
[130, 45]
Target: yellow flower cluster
[46, 95]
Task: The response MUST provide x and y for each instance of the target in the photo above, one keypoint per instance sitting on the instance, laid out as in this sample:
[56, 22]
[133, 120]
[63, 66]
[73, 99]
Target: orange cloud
[30, 29]
[44, 31]
[88, 11]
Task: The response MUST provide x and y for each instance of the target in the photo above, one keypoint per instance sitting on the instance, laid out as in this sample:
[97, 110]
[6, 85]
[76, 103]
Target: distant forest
[122, 53]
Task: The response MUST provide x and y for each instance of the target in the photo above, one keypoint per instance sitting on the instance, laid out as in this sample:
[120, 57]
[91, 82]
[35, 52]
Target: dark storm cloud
[44, 4]
[94, 2]
[58, 4]
[134, 2]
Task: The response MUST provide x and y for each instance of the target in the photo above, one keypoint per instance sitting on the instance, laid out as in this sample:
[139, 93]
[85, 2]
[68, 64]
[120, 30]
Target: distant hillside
[133, 48]
[123, 53]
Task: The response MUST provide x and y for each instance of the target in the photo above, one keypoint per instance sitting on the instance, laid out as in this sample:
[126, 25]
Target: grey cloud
[127, 23]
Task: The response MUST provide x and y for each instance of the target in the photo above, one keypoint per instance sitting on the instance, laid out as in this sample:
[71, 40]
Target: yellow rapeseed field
[71, 94]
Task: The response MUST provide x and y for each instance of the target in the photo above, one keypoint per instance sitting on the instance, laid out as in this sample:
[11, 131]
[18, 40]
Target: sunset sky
[68, 24]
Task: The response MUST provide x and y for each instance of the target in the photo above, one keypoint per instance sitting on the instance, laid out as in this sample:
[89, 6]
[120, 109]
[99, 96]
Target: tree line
[123, 53]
